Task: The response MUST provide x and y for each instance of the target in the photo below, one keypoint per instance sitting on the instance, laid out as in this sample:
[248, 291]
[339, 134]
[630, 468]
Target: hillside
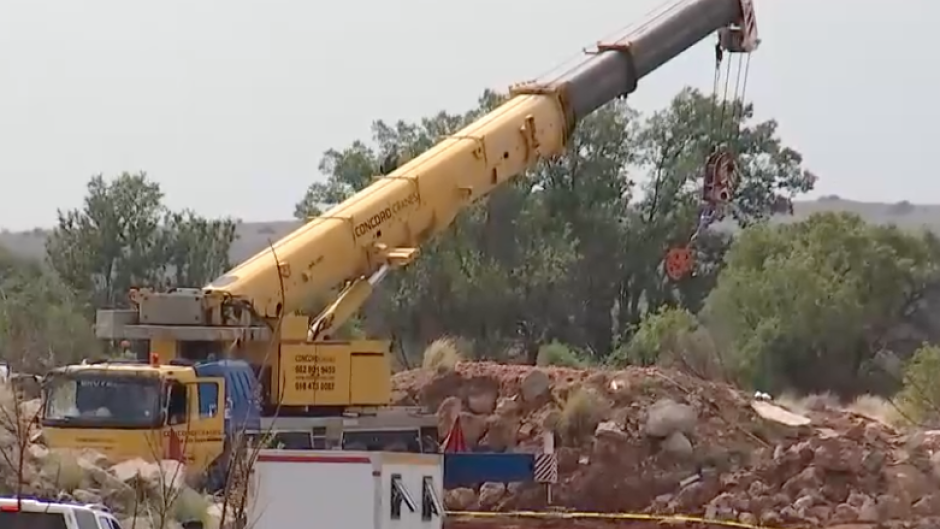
[253, 236]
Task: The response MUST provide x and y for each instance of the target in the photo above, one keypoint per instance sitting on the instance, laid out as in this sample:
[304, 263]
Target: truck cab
[128, 409]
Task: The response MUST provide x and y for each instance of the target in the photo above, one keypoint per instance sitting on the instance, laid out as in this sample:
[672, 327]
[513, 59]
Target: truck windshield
[103, 400]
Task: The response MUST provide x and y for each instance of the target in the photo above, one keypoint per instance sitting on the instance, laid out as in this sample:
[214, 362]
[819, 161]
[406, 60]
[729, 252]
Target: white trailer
[346, 490]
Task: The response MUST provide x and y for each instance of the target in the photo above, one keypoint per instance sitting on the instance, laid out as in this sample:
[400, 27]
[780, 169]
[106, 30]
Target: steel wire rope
[714, 110]
[577, 60]
[724, 100]
[741, 98]
[733, 122]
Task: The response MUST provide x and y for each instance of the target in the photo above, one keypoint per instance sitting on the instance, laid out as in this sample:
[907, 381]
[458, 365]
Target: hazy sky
[229, 104]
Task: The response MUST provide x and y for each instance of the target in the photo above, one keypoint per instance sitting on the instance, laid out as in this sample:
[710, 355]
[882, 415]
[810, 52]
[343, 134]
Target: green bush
[560, 355]
[659, 332]
[919, 398]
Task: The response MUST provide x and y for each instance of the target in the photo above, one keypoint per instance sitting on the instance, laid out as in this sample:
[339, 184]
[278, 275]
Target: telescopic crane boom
[348, 249]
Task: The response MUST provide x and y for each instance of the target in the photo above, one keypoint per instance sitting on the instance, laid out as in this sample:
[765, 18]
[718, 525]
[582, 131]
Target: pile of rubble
[658, 441]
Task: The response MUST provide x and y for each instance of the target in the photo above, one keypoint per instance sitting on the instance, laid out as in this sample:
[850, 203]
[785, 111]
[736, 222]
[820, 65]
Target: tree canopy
[124, 237]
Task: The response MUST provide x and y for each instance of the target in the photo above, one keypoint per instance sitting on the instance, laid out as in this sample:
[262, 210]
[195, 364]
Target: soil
[660, 441]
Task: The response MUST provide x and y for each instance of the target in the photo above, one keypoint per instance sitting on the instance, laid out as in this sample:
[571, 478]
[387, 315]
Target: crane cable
[721, 168]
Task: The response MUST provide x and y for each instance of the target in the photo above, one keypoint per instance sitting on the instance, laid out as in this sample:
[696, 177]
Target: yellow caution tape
[678, 518]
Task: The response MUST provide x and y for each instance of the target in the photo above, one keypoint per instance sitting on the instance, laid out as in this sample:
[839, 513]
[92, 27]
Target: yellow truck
[124, 409]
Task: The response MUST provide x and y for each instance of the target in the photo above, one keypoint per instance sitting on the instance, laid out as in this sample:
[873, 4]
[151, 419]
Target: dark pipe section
[612, 74]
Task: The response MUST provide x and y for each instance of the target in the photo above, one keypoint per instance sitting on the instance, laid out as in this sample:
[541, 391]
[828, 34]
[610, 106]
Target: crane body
[309, 377]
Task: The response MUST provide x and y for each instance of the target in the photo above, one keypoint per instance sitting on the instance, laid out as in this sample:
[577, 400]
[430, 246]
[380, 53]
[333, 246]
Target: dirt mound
[659, 441]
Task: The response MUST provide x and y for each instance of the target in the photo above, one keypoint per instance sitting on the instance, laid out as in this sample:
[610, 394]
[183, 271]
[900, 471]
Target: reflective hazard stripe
[546, 468]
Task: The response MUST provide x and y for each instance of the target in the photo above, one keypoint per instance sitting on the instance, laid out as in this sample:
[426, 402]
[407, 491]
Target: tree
[566, 252]
[809, 305]
[671, 148]
[41, 321]
[197, 249]
[124, 236]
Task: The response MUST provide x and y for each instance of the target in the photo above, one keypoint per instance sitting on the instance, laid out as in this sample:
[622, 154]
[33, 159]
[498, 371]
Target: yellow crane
[335, 392]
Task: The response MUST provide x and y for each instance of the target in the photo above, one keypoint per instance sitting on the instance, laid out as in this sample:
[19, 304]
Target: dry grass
[63, 470]
[870, 406]
[442, 355]
[580, 415]
[190, 506]
[878, 409]
[808, 403]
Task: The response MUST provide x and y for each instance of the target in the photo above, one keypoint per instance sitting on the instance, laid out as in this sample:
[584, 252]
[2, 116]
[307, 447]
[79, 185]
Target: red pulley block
[679, 262]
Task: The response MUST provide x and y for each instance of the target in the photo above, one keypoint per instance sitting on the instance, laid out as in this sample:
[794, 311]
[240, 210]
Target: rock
[808, 478]
[757, 488]
[906, 482]
[891, 508]
[609, 446]
[473, 426]
[490, 494]
[929, 505]
[776, 414]
[868, 510]
[607, 426]
[481, 395]
[678, 446]
[666, 417]
[38, 452]
[84, 496]
[771, 518]
[535, 386]
[837, 455]
[690, 497]
[163, 475]
[874, 461]
[804, 502]
[822, 513]
[501, 433]
[460, 499]
[721, 507]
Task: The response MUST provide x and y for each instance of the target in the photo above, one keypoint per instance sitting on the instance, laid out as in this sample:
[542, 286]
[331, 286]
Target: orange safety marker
[455, 442]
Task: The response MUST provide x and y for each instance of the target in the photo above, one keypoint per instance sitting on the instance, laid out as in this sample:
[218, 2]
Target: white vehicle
[35, 514]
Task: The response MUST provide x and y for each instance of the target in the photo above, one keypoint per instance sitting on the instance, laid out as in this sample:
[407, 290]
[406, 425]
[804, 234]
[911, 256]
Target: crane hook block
[679, 262]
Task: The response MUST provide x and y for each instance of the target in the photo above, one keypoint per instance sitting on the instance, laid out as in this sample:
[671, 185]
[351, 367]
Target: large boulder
[666, 417]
